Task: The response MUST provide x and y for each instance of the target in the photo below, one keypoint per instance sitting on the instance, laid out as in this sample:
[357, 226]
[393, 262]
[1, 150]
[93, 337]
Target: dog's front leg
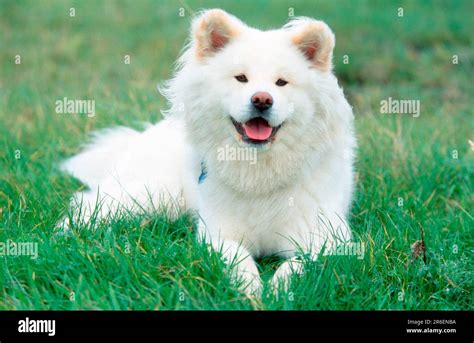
[282, 276]
[244, 271]
[330, 231]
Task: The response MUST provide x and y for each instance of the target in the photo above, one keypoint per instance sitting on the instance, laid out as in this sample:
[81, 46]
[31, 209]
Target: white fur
[298, 193]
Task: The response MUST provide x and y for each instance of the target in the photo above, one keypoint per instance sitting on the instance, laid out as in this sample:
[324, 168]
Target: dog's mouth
[256, 130]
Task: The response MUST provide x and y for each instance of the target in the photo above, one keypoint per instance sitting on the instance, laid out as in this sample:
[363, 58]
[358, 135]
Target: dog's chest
[266, 224]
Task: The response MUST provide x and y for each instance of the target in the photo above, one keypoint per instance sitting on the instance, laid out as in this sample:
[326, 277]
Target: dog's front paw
[281, 278]
[252, 286]
[247, 277]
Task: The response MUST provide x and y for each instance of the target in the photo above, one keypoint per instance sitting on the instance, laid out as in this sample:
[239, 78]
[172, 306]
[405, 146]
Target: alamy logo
[11, 248]
[349, 249]
[71, 106]
[400, 106]
[37, 326]
[230, 153]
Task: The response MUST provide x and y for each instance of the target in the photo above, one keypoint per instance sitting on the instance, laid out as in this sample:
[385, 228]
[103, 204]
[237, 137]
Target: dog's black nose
[262, 101]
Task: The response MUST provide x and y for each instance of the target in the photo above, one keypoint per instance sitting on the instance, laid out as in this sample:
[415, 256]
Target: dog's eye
[281, 82]
[241, 78]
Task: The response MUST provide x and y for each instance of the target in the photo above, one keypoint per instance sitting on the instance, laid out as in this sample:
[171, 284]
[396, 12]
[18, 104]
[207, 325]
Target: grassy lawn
[413, 173]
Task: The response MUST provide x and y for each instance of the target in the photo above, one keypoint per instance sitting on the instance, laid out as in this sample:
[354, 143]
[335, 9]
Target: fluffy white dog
[269, 100]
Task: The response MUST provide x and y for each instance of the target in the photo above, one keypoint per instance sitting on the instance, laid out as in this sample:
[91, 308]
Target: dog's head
[268, 90]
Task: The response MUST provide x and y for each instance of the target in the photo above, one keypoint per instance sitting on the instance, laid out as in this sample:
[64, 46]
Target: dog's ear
[213, 30]
[315, 40]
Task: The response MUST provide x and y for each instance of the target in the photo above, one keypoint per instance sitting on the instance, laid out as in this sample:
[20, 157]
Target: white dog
[266, 94]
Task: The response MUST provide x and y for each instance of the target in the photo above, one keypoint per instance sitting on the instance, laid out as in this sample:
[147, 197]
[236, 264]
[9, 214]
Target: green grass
[149, 262]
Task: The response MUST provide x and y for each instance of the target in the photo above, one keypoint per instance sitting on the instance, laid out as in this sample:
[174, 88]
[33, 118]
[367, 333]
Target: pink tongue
[257, 129]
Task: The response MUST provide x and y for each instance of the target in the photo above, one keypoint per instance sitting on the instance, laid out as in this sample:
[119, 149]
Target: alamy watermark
[28, 325]
[12, 248]
[349, 249]
[396, 106]
[231, 153]
[76, 106]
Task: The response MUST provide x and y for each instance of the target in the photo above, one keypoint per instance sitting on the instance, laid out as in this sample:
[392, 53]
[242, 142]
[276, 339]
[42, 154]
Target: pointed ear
[315, 40]
[213, 30]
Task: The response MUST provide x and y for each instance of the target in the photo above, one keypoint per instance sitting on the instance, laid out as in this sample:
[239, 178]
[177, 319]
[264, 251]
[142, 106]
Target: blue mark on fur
[203, 175]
